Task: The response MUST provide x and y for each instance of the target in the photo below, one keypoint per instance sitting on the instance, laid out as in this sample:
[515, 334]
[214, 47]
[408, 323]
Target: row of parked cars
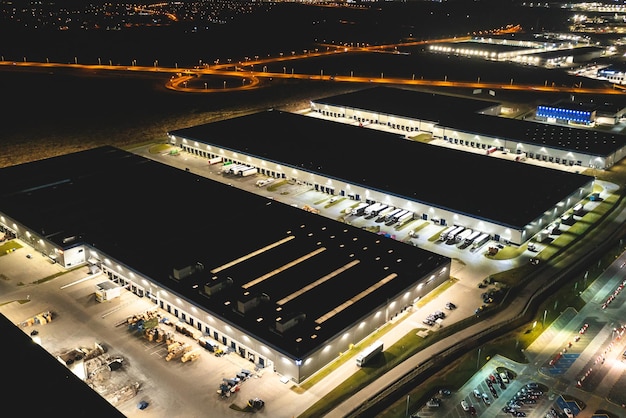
[527, 395]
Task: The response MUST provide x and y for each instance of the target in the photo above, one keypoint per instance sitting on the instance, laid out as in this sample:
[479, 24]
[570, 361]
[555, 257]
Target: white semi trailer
[444, 234]
[463, 235]
[456, 231]
[481, 240]
[469, 240]
[369, 353]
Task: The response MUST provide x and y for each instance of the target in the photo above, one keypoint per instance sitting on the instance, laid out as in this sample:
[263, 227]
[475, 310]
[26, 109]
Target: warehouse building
[285, 289]
[512, 202]
[474, 125]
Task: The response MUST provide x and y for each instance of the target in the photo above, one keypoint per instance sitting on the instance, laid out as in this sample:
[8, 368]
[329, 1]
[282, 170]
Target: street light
[478, 358]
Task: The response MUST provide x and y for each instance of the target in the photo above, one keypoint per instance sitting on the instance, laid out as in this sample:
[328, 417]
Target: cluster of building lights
[566, 114]
[463, 51]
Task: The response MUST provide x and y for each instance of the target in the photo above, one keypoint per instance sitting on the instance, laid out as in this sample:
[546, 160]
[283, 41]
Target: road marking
[82, 280]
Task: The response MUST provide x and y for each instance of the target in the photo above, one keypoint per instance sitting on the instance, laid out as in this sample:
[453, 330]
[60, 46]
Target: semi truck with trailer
[379, 210]
[383, 213]
[444, 234]
[373, 210]
[369, 353]
[469, 240]
[394, 218]
[358, 209]
[481, 240]
[463, 235]
[248, 172]
[393, 213]
[232, 168]
[452, 234]
[405, 218]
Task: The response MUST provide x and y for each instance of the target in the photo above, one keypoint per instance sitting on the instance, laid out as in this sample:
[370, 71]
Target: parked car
[486, 399]
[464, 405]
[450, 306]
[433, 403]
[477, 394]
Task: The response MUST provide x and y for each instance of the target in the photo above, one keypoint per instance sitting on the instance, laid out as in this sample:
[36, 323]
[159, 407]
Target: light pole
[99, 62]
[543, 322]
[478, 358]
[407, 405]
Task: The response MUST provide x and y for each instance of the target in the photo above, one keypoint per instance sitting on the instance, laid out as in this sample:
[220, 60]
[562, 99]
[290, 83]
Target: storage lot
[80, 321]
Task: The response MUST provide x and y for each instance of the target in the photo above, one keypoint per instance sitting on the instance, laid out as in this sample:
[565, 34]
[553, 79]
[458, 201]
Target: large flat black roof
[565, 138]
[463, 114]
[155, 218]
[406, 103]
[481, 186]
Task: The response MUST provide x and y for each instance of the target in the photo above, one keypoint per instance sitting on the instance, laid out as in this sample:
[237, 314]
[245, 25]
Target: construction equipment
[190, 356]
[39, 319]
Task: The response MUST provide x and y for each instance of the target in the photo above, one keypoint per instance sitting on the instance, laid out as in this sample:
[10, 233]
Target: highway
[242, 76]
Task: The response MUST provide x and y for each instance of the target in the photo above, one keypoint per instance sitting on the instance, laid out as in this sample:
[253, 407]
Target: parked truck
[444, 234]
[372, 210]
[383, 213]
[452, 234]
[481, 240]
[463, 235]
[379, 210]
[393, 213]
[470, 239]
[408, 216]
[394, 218]
[215, 160]
[358, 209]
[369, 353]
[248, 172]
